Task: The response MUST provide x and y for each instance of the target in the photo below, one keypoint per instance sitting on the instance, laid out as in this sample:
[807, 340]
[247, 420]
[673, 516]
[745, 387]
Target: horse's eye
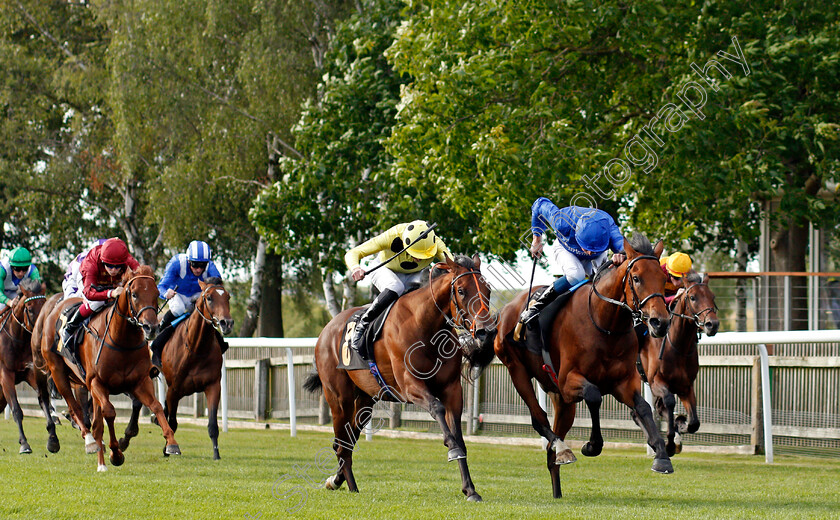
[635, 279]
[692, 298]
[460, 291]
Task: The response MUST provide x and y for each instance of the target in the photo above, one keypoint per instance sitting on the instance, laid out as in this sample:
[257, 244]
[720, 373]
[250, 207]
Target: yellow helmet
[678, 264]
[422, 248]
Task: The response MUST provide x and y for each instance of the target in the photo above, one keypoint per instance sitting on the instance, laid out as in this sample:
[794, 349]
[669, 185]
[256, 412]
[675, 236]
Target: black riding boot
[159, 342]
[560, 286]
[68, 344]
[385, 298]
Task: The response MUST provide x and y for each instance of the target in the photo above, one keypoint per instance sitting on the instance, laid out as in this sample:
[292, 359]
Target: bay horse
[116, 359]
[416, 365]
[593, 346]
[671, 363]
[192, 361]
[16, 324]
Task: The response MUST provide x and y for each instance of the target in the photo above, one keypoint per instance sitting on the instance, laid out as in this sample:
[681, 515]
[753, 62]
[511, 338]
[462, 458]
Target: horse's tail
[313, 383]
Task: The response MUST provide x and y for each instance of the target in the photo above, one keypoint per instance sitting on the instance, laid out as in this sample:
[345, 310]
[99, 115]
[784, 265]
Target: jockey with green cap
[403, 271]
[17, 267]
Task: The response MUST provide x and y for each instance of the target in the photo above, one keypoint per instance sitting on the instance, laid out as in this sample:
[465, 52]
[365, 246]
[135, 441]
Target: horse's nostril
[654, 322]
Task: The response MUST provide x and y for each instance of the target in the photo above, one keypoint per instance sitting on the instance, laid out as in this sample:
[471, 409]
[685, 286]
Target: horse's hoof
[172, 449]
[678, 443]
[53, 445]
[330, 483]
[216, 455]
[562, 454]
[102, 468]
[90, 449]
[474, 498]
[662, 466]
[25, 449]
[670, 449]
[681, 423]
[117, 458]
[456, 453]
[123, 444]
[591, 450]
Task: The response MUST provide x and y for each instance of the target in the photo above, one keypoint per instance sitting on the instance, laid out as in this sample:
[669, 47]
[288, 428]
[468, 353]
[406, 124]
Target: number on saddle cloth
[349, 358]
[63, 318]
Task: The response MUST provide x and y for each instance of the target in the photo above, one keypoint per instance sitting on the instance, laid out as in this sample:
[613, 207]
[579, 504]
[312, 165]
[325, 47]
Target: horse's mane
[143, 270]
[641, 244]
[213, 280]
[462, 260]
[693, 277]
[30, 285]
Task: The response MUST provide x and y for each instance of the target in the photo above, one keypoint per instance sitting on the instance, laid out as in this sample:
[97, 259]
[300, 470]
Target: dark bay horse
[192, 360]
[671, 363]
[593, 347]
[16, 324]
[419, 359]
[116, 358]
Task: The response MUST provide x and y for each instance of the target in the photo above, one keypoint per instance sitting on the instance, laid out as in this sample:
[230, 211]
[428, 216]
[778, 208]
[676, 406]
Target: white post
[224, 396]
[542, 398]
[475, 408]
[290, 363]
[765, 397]
[649, 399]
[787, 296]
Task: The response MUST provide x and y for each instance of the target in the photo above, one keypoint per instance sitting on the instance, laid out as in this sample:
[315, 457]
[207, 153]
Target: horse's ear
[202, 284]
[629, 249]
[658, 248]
[43, 288]
[706, 278]
[450, 261]
[476, 260]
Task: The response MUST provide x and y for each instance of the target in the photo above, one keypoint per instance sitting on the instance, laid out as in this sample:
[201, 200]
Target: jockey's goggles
[19, 269]
[113, 266]
[198, 265]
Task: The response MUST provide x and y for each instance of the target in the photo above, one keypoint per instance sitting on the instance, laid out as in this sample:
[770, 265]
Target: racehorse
[16, 325]
[593, 346]
[192, 361]
[115, 357]
[417, 355]
[671, 363]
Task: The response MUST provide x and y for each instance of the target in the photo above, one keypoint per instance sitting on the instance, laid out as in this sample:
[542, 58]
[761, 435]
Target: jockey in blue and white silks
[180, 279]
[72, 285]
[583, 237]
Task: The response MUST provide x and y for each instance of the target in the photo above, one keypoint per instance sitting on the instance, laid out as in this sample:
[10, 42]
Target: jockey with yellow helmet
[402, 271]
[675, 266]
[12, 271]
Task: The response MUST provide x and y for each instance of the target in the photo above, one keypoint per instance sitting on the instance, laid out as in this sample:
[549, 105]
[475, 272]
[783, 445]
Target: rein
[132, 318]
[637, 314]
[212, 320]
[26, 318]
[694, 316]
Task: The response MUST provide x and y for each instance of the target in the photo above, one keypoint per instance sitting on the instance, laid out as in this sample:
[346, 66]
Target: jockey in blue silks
[583, 237]
[180, 285]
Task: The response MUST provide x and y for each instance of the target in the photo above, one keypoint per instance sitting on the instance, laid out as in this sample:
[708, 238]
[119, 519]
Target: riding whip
[421, 236]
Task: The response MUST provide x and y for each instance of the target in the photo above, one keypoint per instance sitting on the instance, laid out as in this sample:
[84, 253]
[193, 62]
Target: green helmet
[20, 257]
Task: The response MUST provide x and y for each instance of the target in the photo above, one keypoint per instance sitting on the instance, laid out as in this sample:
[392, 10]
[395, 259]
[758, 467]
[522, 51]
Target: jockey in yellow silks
[675, 266]
[401, 272]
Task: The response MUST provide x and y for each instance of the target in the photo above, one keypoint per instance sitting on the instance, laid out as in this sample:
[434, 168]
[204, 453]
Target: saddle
[57, 344]
[350, 358]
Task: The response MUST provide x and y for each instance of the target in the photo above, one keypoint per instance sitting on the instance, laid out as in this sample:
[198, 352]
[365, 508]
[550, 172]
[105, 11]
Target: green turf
[265, 473]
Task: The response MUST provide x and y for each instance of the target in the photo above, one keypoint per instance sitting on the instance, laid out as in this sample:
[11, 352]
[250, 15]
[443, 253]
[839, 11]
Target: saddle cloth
[350, 359]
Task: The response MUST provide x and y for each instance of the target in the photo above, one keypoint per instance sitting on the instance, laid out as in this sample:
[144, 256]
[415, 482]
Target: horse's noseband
[134, 316]
[471, 329]
[696, 317]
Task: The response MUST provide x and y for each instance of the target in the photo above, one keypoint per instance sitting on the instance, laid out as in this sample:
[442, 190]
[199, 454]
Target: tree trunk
[271, 307]
[252, 310]
[788, 249]
[741, 288]
[329, 293]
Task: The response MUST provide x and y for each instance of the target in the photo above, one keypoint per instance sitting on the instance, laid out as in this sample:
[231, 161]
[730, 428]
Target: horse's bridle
[28, 314]
[133, 316]
[697, 317]
[212, 320]
[473, 327]
[637, 313]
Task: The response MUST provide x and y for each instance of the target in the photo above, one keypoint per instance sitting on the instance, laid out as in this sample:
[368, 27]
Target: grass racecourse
[267, 474]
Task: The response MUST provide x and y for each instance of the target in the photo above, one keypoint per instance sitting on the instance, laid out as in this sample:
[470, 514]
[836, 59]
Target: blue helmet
[198, 251]
[592, 231]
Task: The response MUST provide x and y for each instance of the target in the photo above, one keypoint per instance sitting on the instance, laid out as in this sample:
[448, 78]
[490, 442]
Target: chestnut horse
[412, 361]
[192, 361]
[116, 359]
[594, 348]
[671, 363]
[16, 325]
